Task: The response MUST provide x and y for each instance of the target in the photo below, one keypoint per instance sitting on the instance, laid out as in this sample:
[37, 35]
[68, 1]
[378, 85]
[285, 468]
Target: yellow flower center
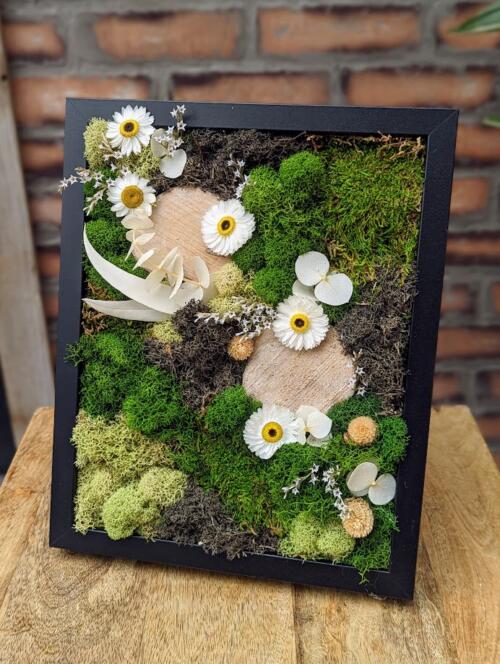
[300, 323]
[132, 196]
[129, 128]
[272, 432]
[226, 225]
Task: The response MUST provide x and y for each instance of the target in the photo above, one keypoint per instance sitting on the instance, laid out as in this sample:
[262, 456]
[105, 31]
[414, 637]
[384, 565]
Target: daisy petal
[383, 491]
[336, 289]
[311, 267]
[362, 477]
[172, 167]
[319, 424]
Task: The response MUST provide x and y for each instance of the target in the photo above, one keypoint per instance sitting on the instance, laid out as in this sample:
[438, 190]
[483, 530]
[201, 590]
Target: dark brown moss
[200, 362]
[379, 327]
[199, 518]
[209, 151]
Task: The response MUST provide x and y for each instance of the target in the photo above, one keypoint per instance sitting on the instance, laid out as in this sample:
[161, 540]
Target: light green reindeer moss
[165, 332]
[334, 543]
[93, 137]
[123, 513]
[95, 486]
[162, 486]
[309, 539]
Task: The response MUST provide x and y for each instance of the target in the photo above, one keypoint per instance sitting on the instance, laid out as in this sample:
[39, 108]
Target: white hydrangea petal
[137, 222]
[144, 238]
[301, 435]
[319, 424]
[383, 491]
[362, 476]
[304, 411]
[336, 289]
[300, 290]
[145, 256]
[311, 267]
[172, 167]
[318, 442]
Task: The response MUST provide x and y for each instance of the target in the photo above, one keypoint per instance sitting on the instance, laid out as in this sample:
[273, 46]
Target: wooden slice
[177, 219]
[320, 377]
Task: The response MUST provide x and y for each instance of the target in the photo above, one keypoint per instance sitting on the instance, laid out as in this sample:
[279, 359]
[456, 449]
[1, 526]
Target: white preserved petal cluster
[268, 429]
[165, 144]
[314, 426]
[131, 194]
[300, 323]
[316, 280]
[329, 478]
[226, 227]
[130, 130]
[364, 480]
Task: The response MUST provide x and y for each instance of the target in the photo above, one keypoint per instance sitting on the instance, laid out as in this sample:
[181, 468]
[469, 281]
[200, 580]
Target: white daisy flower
[365, 480]
[314, 426]
[226, 227]
[313, 270]
[131, 129]
[300, 323]
[270, 428]
[131, 193]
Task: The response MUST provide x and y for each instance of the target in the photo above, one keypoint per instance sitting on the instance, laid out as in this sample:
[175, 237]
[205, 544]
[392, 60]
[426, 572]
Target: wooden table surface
[61, 607]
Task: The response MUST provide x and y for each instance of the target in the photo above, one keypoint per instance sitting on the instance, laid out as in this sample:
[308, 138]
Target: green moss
[162, 486]
[281, 252]
[250, 257]
[112, 446]
[95, 485]
[165, 332]
[264, 194]
[123, 513]
[334, 543]
[273, 284]
[229, 411]
[304, 178]
[345, 411]
[155, 406]
[102, 209]
[93, 137]
[112, 364]
[374, 551]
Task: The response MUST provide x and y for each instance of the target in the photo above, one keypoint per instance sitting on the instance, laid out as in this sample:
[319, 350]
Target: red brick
[446, 386]
[490, 426]
[495, 296]
[420, 88]
[468, 342]
[492, 380]
[42, 156]
[283, 88]
[456, 299]
[187, 35]
[473, 249]
[49, 262]
[469, 195]
[466, 40]
[45, 209]
[292, 32]
[32, 40]
[42, 100]
[51, 305]
[478, 143]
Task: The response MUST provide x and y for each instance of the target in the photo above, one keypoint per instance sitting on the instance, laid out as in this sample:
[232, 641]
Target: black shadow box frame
[438, 128]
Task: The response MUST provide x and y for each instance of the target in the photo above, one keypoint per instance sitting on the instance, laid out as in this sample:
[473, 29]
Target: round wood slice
[177, 219]
[320, 377]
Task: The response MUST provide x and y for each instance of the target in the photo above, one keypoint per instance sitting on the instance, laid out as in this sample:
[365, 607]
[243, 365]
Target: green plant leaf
[492, 121]
[487, 20]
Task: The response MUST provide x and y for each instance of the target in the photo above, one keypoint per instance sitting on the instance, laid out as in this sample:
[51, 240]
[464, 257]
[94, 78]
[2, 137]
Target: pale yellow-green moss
[93, 136]
[165, 332]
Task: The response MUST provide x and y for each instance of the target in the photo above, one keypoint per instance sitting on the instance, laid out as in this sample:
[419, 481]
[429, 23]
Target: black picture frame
[438, 128]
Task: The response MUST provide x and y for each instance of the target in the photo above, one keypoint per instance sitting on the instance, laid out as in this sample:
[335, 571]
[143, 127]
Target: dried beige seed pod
[361, 431]
[240, 348]
[359, 520]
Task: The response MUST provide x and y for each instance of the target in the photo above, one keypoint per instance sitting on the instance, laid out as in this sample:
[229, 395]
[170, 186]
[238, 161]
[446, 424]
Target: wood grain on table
[62, 607]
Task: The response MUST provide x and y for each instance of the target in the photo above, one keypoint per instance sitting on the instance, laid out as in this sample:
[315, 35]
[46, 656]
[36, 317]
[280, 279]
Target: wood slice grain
[319, 377]
[177, 223]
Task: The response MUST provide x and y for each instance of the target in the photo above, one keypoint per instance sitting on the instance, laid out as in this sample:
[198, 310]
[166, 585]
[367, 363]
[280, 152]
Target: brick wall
[393, 52]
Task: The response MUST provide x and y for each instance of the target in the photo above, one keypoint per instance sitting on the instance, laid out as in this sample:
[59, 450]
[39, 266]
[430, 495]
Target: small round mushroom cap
[240, 348]
[359, 520]
[361, 431]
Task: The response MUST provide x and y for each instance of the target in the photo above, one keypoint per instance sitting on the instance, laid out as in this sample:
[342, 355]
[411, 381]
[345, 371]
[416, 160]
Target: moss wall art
[221, 268]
